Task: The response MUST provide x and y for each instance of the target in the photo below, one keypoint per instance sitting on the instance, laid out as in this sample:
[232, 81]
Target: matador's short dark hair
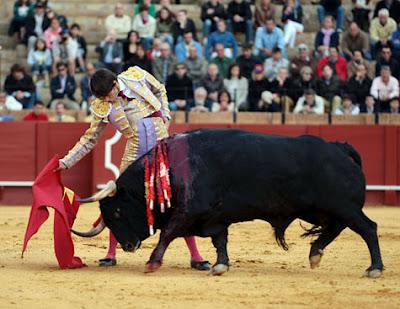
[102, 82]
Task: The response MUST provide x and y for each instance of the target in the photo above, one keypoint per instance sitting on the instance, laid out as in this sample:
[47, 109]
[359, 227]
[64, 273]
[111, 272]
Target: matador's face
[111, 97]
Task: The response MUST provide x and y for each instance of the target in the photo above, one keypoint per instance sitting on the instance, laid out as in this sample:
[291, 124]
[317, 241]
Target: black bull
[220, 177]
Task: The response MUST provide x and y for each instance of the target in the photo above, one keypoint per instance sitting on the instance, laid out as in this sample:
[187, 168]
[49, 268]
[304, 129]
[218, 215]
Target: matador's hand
[61, 167]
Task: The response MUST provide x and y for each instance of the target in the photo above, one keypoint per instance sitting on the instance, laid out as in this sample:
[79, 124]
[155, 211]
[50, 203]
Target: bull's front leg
[155, 261]
[220, 241]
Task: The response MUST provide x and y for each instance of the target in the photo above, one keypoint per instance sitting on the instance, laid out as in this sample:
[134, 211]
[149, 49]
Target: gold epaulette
[135, 73]
[100, 108]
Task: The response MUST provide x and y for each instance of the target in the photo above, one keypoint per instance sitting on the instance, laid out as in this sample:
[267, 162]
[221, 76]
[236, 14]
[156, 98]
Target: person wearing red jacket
[38, 113]
[336, 61]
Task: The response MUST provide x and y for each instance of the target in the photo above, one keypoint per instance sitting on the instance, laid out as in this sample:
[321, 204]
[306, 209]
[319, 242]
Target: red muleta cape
[48, 191]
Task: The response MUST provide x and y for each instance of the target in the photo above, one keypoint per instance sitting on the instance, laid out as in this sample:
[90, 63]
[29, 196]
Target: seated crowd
[352, 68]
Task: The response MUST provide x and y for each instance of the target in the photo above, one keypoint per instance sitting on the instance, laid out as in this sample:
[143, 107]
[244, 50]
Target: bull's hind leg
[367, 229]
[327, 235]
[220, 241]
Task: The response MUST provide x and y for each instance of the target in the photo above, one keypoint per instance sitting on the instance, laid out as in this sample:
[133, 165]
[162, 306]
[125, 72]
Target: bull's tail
[350, 151]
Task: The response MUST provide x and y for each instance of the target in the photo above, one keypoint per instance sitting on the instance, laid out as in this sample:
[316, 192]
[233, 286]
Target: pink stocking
[194, 252]
[112, 247]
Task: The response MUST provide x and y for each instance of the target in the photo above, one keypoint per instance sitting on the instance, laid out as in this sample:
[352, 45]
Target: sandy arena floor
[261, 276]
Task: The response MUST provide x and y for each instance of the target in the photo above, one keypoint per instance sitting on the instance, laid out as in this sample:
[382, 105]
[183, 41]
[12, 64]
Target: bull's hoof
[218, 270]
[152, 267]
[316, 259]
[373, 273]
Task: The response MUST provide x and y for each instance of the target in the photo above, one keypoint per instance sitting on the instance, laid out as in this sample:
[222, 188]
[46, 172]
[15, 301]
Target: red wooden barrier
[26, 147]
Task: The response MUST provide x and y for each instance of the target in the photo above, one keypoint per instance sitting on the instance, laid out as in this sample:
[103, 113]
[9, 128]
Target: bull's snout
[130, 247]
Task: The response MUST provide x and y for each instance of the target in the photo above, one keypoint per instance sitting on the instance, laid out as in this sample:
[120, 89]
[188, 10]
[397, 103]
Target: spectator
[119, 22]
[149, 4]
[182, 48]
[179, 88]
[386, 59]
[247, 61]
[130, 47]
[237, 86]
[368, 107]
[181, 25]
[274, 63]
[61, 19]
[355, 39]
[224, 103]
[239, 18]
[66, 51]
[396, 42]
[196, 66]
[257, 85]
[221, 60]
[155, 51]
[37, 114]
[292, 14]
[75, 33]
[333, 8]
[22, 10]
[212, 11]
[9, 103]
[393, 6]
[167, 4]
[221, 36]
[267, 38]
[200, 103]
[327, 37]
[212, 82]
[61, 115]
[163, 66]
[359, 84]
[84, 84]
[381, 30]
[329, 87]
[394, 106]
[301, 60]
[145, 25]
[21, 86]
[264, 10]
[304, 82]
[360, 13]
[384, 88]
[62, 87]
[282, 90]
[309, 103]
[164, 26]
[356, 61]
[39, 59]
[141, 60]
[53, 33]
[36, 25]
[5, 114]
[337, 62]
[347, 107]
[111, 53]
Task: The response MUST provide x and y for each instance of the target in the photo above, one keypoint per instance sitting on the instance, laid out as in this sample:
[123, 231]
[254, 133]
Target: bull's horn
[109, 190]
[96, 230]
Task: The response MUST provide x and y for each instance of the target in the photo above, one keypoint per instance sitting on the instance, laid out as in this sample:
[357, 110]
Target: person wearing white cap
[381, 28]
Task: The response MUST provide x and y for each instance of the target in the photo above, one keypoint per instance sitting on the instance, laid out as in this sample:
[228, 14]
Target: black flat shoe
[203, 265]
[107, 262]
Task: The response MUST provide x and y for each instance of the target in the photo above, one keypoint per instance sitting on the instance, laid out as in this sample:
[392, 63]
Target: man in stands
[381, 30]
[36, 24]
[61, 115]
[355, 39]
[21, 86]
[110, 53]
[38, 113]
[182, 48]
[336, 61]
[196, 66]
[368, 106]
[224, 37]
[386, 58]
[118, 21]
[212, 11]
[247, 61]
[267, 38]
[274, 63]
[359, 85]
[240, 18]
[212, 82]
[384, 88]
[393, 6]
[145, 25]
[63, 87]
[309, 103]
[179, 88]
[221, 60]
[329, 86]
[164, 65]
[302, 59]
[181, 25]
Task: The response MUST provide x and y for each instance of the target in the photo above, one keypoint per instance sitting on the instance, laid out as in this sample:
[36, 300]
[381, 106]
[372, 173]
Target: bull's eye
[117, 213]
